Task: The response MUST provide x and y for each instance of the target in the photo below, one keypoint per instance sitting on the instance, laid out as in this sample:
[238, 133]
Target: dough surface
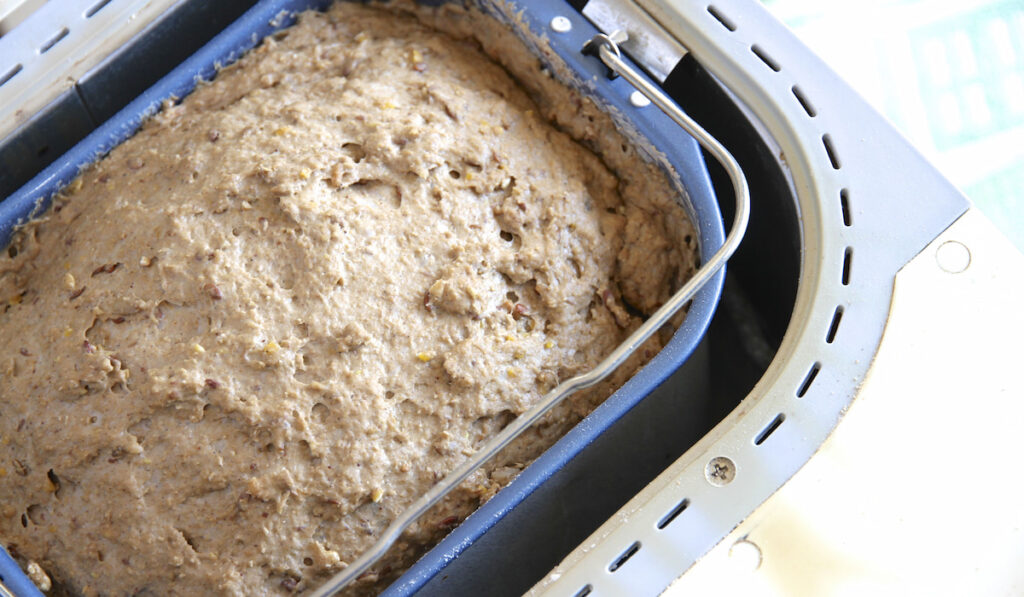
[240, 344]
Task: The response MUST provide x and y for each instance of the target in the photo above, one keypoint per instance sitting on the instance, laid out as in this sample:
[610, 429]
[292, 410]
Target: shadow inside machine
[757, 301]
[761, 283]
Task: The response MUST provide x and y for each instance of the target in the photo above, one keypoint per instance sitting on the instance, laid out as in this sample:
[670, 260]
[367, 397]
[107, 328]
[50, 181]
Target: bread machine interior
[192, 26]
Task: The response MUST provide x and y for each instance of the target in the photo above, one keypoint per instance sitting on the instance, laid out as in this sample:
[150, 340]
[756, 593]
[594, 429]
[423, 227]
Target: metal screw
[639, 100]
[561, 25]
[720, 471]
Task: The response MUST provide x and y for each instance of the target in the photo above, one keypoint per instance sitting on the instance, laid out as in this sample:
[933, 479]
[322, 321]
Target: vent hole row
[635, 547]
[53, 41]
[801, 98]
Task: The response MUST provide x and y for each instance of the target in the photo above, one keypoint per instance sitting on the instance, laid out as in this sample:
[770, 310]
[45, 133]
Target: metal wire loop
[595, 44]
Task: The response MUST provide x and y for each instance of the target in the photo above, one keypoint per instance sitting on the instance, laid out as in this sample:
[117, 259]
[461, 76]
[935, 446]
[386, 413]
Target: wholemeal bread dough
[244, 341]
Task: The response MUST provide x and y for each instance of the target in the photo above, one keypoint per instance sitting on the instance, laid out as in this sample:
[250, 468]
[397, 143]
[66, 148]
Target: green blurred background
[948, 74]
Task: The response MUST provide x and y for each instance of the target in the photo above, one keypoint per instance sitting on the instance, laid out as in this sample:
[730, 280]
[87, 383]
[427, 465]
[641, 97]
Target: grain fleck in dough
[240, 344]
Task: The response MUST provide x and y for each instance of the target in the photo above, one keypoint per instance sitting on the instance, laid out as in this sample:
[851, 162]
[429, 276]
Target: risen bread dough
[240, 344]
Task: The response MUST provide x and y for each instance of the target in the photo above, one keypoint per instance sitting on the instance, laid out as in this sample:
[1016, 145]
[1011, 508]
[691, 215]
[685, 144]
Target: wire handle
[608, 51]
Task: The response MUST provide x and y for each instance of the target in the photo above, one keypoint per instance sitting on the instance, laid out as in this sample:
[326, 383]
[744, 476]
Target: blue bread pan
[517, 536]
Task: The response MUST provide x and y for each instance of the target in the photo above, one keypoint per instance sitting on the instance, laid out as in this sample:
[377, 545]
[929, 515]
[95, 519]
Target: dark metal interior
[754, 313]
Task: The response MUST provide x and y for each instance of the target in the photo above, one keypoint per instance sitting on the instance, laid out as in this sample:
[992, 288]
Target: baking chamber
[684, 459]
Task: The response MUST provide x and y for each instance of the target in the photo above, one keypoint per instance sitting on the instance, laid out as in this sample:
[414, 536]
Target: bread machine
[846, 422]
